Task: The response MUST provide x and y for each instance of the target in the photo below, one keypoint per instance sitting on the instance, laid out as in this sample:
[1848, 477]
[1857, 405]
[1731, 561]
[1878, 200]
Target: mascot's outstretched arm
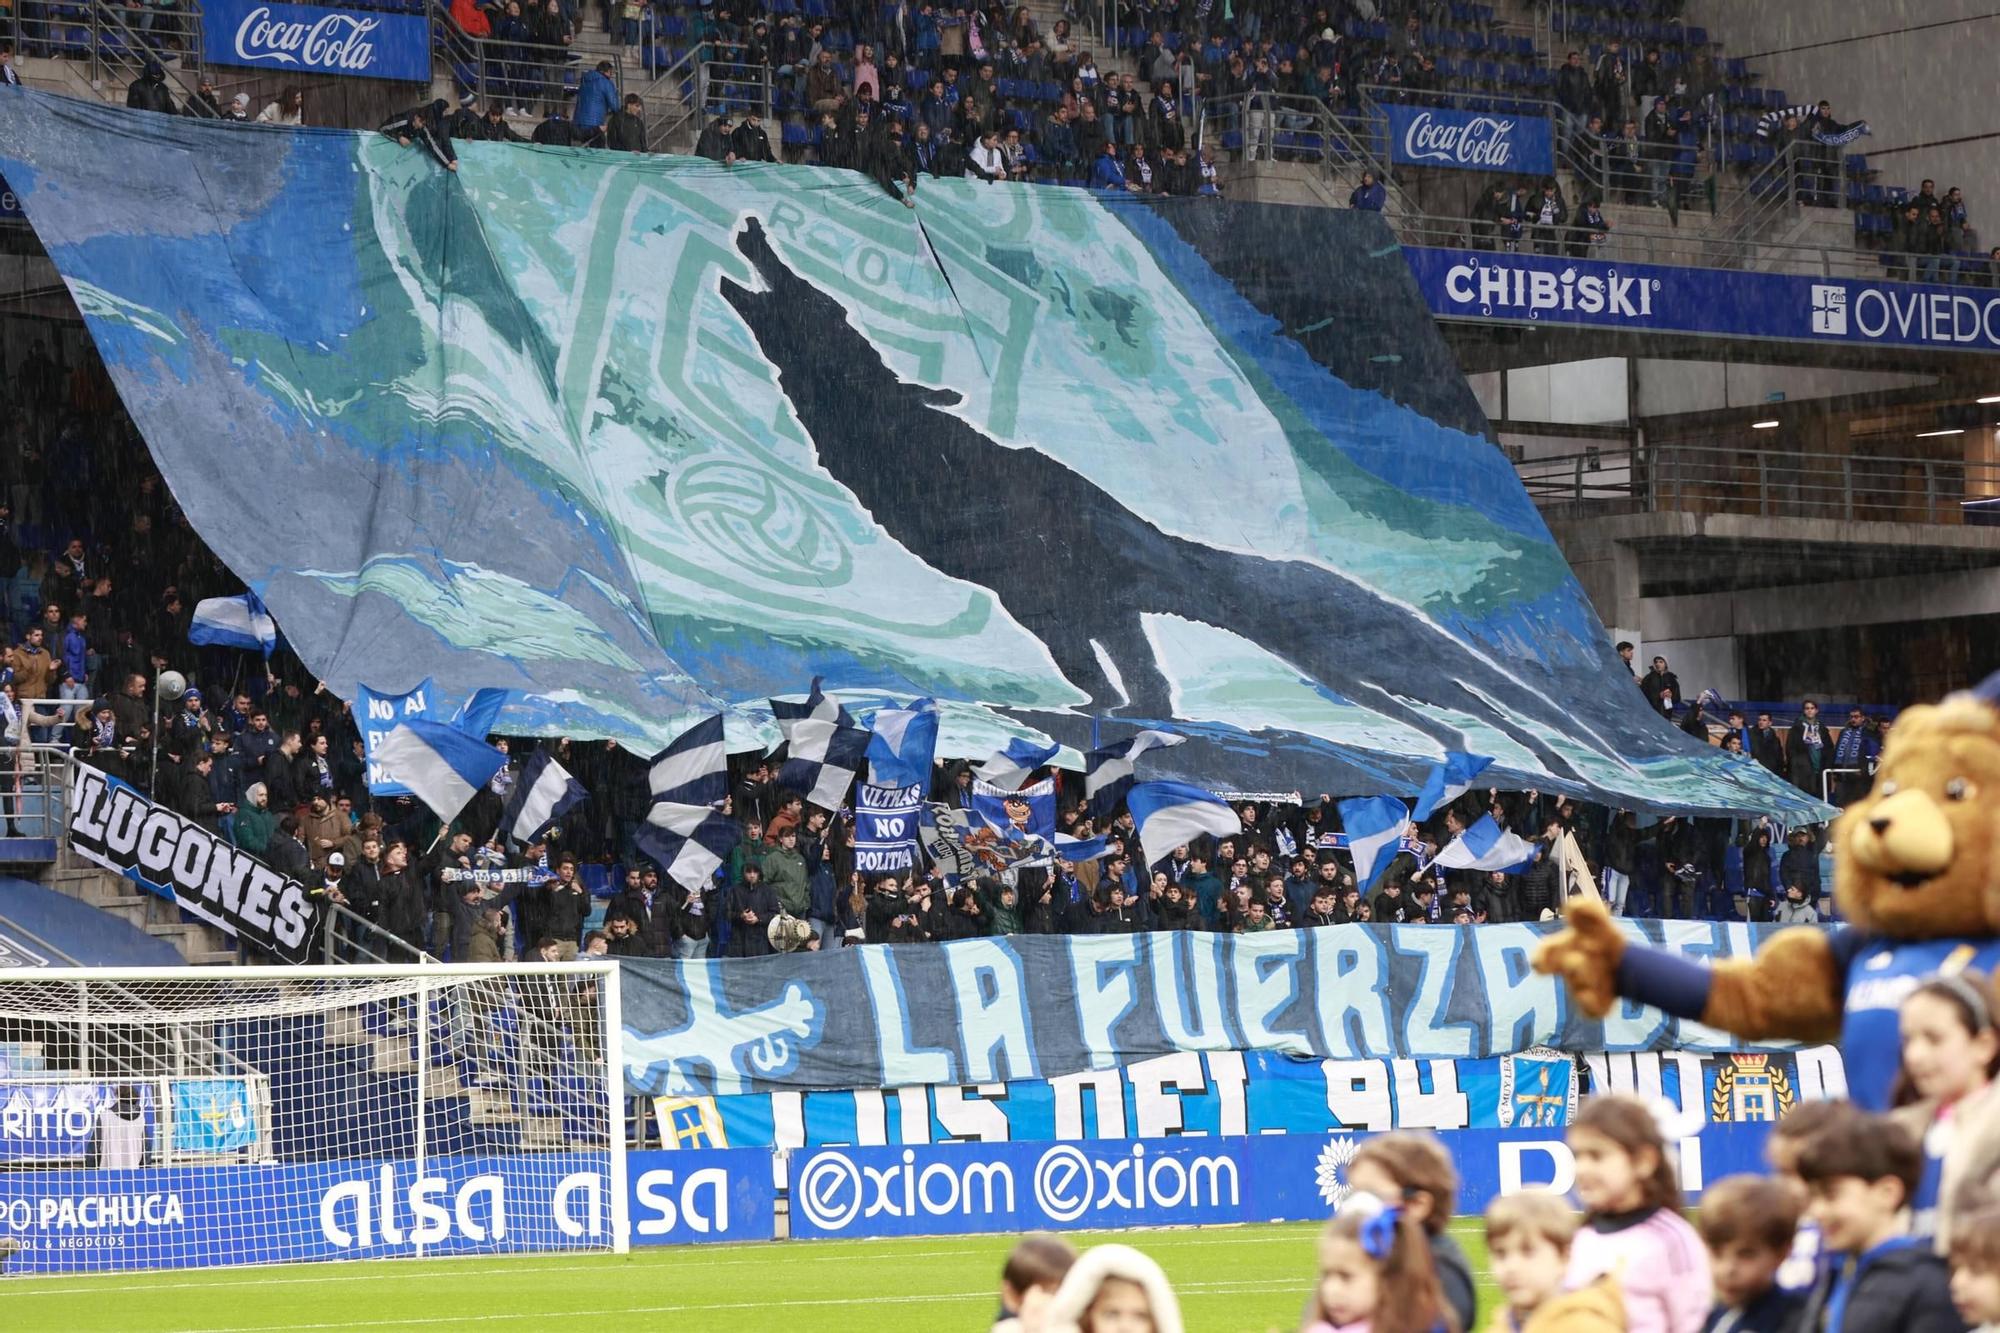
[1792, 990]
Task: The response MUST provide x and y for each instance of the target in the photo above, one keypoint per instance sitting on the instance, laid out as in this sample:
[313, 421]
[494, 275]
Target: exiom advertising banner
[1549, 289]
[119, 828]
[973, 1189]
[1428, 136]
[309, 42]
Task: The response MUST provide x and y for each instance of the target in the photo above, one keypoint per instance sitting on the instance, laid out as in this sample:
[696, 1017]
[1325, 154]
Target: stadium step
[393, 1055]
[443, 1081]
[343, 1028]
[196, 942]
[491, 1106]
[542, 1132]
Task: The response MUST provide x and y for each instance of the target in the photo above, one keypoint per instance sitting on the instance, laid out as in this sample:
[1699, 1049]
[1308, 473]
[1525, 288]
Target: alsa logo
[333, 41]
[662, 1208]
[361, 1214]
[1482, 141]
[1492, 287]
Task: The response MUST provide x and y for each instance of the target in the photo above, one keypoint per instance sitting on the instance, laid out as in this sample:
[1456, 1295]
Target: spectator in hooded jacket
[1370, 195]
[717, 141]
[149, 92]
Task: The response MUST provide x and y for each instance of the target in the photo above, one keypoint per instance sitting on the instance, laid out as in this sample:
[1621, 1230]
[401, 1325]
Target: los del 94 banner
[1235, 1093]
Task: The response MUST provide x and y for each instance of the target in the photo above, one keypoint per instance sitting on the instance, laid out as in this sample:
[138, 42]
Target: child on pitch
[1748, 1223]
[1950, 1055]
[1528, 1239]
[1414, 1172]
[1975, 1270]
[1113, 1289]
[1633, 1228]
[1035, 1267]
[1806, 1267]
[1375, 1274]
[1862, 1171]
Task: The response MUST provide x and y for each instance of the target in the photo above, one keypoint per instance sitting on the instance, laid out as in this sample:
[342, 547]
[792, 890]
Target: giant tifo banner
[122, 829]
[642, 441]
[1546, 289]
[309, 42]
[1515, 143]
[1232, 1093]
[1042, 1006]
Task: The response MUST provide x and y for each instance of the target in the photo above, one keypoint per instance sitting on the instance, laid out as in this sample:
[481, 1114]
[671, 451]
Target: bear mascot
[1916, 876]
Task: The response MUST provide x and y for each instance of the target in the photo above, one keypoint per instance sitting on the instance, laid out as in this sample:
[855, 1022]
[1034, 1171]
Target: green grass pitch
[1231, 1280]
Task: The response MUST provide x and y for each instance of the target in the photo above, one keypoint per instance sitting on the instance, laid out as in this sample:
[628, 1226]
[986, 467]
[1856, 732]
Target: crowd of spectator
[1846, 1227]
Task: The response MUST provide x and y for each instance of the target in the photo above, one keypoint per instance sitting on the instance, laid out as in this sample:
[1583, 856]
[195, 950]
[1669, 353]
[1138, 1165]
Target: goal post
[197, 1117]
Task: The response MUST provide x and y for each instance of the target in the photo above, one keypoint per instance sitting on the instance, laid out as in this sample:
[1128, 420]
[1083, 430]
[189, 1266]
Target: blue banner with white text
[962, 1189]
[1232, 1093]
[885, 828]
[1547, 289]
[690, 1197]
[1430, 136]
[1042, 1006]
[48, 1121]
[308, 42]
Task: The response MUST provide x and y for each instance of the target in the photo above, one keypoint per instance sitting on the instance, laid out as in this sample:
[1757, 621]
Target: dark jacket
[1898, 1287]
[752, 144]
[557, 131]
[149, 92]
[625, 132]
[715, 142]
[188, 794]
[1454, 1273]
[400, 906]
[750, 939]
[1776, 1311]
[659, 921]
[563, 911]
[433, 136]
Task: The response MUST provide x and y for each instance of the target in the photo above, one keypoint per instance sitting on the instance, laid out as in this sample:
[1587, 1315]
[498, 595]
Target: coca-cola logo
[332, 41]
[1480, 141]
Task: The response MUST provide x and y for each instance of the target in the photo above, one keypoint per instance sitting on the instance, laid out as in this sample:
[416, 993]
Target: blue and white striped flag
[1171, 813]
[1009, 768]
[903, 745]
[1107, 773]
[693, 769]
[1487, 846]
[823, 760]
[543, 794]
[1374, 826]
[441, 765]
[816, 708]
[234, 622]
[1448, 781]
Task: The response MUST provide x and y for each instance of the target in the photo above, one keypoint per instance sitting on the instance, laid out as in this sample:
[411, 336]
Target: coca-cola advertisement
[1518, 143]
[312, 41]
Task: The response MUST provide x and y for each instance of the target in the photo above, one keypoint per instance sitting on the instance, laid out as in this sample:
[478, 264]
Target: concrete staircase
[200, 944]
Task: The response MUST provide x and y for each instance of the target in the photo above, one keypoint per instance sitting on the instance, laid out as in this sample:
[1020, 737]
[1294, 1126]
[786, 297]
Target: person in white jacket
[985, 162]
[289, 109]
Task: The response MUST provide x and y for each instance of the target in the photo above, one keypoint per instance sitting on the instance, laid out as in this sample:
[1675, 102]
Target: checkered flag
[816, 708]
[824, 759]
[685, 831]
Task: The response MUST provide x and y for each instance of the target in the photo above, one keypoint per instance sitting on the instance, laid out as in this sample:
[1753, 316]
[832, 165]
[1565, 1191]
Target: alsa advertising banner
[308, 42]
[119, 828]
[973, 1189]
[692, 1197]
[200, 1217]
[1427, 136]
[1231, 1093]
[1548, 289]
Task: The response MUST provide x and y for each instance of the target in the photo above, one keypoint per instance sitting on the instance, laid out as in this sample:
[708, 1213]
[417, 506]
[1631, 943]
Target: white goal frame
[114, 1032]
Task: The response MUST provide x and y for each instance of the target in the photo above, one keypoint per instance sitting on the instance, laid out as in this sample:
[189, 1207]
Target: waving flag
[234, 622]
[816, 708]
[1487, 846]
[1009, 768]
[1171, 813]
[1449, 781]
[903, 745]
[1374, 827]
[825, 759]
[441, 765]
[478, 715]
[544, 794]
[688, 842]
[694, 769]
[1107, 773]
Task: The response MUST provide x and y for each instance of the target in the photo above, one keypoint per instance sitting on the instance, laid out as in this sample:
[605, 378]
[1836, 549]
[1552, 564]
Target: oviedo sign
[309, 40]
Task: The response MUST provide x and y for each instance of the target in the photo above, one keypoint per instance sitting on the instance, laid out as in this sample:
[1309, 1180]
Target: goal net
[182, 1118]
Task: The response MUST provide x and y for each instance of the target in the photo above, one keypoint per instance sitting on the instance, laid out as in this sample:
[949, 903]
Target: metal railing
[1705, 479]
[1689, 248]
[726, 85]
[534, 77]
[672, 99]
[115, 39]
[1272, 127]
[347, 937]
[34, 790]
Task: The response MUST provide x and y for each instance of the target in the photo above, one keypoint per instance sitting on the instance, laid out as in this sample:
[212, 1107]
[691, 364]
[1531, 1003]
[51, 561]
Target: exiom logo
[1495, 287]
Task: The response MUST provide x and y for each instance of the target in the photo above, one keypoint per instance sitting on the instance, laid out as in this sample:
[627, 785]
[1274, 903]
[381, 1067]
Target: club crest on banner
[1750, 1088]
[689, 1122]
[1538, 1088]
